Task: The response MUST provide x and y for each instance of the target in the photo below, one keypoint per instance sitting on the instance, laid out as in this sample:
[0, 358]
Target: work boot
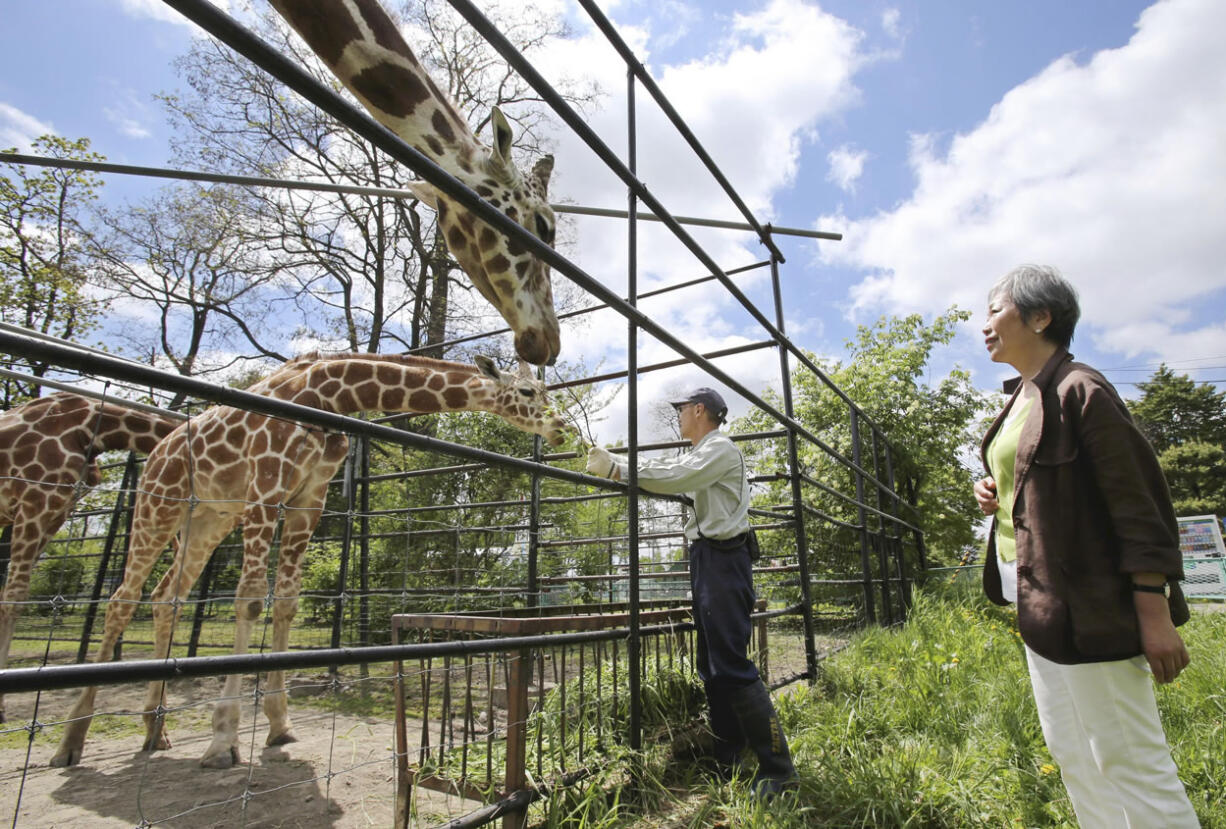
[729, 742]
[760, 725]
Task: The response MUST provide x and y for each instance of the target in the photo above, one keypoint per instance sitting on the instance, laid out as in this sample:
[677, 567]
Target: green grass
[930, 724]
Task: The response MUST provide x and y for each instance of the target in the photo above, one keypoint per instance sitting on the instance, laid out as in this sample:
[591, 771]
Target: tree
[1174, 410]
[931, 428]
[1196, 474]
[366, 273]
[45, 273]
[186, 253]
[1186, 423]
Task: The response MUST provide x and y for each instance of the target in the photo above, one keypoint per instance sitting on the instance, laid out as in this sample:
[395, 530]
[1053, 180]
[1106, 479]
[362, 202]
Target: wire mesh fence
[571, 593]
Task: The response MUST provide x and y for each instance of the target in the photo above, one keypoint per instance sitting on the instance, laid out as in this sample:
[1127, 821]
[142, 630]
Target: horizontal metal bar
[362, 190]
[96, 395]
[647, 369]
[137, 373]
[53, 677]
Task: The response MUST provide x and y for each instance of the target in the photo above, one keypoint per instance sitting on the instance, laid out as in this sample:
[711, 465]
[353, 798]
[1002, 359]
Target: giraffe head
[365, 50]
[522, 400]
[505, 272]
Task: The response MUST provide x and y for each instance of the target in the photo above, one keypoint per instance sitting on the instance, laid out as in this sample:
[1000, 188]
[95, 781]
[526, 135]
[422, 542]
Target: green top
[1002, 457]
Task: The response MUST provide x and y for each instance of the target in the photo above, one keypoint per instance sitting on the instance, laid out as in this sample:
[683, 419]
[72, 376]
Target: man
[721, 583]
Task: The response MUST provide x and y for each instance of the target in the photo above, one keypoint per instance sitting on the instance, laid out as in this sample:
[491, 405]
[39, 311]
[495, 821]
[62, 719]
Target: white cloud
[890, 19]
[1112, 170]
[846, 165]
[18, 129]
[753, 101]
[128, 114]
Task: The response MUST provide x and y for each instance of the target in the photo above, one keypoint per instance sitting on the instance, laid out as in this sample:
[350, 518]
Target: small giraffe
[237, 466]
[47, 451]
[365, 51]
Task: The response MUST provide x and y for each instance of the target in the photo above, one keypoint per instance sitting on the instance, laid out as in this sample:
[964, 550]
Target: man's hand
[600, 463]
[985, 495]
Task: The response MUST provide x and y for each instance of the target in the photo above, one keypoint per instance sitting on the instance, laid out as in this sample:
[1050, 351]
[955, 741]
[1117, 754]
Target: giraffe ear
[502, 136]
[487, 367]
[424, 192]
[541, 171]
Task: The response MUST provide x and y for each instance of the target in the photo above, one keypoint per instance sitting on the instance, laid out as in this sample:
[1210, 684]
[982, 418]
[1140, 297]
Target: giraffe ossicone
[364, 49]
[228, 465]
[47, 451]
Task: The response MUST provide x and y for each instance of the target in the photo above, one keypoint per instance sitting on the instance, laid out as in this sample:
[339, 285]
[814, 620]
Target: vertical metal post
[883, 562]
[202, 603]
[798, 512]
[123, 509]
[913, 500]
[6, 552]
[900, 558]
[364, 547]
[534, 519]
[634, 645]
[866, 564]
[338, 609]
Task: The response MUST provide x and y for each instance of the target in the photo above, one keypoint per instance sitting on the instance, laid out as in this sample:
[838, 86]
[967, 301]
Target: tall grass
[931, 724]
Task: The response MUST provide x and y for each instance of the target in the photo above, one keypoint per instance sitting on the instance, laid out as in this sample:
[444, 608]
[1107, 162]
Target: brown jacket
[1090, 507]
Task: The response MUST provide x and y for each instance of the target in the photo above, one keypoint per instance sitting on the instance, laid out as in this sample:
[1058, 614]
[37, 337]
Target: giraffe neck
[386, 383]
[118, 427]
[364, 49]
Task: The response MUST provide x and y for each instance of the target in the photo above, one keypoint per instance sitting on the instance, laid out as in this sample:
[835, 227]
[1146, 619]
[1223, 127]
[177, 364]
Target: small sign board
[1204, 556]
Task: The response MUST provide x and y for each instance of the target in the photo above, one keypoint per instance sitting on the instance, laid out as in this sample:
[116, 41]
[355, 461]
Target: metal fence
[841, 537]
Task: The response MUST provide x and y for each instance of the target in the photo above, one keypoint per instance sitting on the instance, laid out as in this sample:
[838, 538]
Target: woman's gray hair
[1035, 288]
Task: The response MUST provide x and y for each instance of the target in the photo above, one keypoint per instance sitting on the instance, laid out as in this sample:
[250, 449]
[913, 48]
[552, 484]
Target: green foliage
[1174, 410]
[929, 724]
[1186, 423]
[930, 426]
[1196, 473]
[60, 572]
[44, 265]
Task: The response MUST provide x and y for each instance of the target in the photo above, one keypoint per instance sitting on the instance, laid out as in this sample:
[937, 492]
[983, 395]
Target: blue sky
[947, 140]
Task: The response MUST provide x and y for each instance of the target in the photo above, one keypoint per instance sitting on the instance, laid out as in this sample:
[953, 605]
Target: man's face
[688, 414]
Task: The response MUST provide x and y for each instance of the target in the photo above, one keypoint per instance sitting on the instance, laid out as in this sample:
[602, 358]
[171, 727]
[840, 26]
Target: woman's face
[1009, 338]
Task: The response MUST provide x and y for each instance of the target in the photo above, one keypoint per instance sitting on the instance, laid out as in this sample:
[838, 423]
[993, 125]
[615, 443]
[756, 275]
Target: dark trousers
[722, 599]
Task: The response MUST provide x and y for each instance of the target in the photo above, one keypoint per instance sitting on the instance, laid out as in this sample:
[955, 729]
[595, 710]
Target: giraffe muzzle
[537, 346]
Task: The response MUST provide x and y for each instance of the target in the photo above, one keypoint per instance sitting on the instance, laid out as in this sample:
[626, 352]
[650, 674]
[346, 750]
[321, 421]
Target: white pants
[1101, 724]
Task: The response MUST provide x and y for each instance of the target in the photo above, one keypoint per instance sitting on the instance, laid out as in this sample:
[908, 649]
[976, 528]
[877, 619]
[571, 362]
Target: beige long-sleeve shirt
[713, 475]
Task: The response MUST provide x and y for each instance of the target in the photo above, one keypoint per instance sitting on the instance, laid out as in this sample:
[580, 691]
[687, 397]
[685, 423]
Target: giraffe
[363, 48]
[234, 466]
[47, 451]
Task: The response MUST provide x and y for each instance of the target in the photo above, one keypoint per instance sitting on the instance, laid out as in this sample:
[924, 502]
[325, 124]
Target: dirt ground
[340, 773]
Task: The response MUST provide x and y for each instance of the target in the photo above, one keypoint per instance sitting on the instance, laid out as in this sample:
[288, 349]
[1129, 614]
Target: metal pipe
[361, 190]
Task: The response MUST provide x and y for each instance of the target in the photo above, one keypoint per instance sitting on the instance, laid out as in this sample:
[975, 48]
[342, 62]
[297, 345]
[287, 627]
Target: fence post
[763, 649]
[127, 494]
[517, 732]
[883, 546]
[866, 564]
[798, 504]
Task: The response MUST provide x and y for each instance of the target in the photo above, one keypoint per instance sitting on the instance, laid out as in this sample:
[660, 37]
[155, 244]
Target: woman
[1084, 540]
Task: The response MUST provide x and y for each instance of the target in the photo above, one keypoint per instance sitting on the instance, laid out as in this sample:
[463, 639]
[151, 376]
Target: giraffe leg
[152, 526]
[296, 531]
[259, 525]
[29, 538]
[202, 533]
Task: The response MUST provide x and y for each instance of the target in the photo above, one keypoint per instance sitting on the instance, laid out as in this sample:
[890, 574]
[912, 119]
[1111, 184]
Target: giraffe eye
[525, 392]
[544, 230]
